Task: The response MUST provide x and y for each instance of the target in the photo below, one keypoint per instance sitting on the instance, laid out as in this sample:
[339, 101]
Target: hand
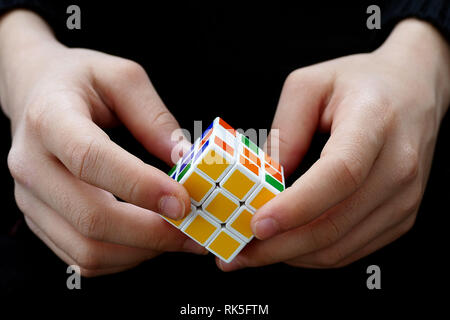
[383, 110]
[66, 169]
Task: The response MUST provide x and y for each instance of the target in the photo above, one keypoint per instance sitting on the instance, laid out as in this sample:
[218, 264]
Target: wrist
[24, 38]
[23, 28]
[420, 45]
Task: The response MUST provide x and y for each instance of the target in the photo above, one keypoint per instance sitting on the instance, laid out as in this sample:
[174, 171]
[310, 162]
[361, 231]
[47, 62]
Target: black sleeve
[436, 12]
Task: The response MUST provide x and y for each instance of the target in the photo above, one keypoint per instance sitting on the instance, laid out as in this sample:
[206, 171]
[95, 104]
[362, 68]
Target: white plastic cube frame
[242, 244]
[203, 150]
[212, 196]
[207, 218]
[216, 124]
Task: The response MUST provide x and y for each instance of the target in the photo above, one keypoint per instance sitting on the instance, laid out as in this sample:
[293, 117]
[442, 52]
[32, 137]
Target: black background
[209, 60]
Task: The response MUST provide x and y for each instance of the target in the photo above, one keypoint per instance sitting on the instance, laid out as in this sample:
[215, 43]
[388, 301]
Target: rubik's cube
[228, 178]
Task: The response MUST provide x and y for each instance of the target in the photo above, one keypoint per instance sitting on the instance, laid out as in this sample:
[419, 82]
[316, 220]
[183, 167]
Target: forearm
[22, 34]
[429, 52]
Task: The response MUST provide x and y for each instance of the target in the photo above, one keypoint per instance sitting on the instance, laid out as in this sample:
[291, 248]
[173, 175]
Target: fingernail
[171, 207]
[193, 247]
[265, 228]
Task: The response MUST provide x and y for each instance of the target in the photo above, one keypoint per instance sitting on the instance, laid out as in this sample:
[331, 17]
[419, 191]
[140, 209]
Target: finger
[385, 238]
[381, 241]
[91, 253]
[97, 215]
[345, 163]
[389, 181]
[300, 241]
[128, 91]
[304, 94]
[387, 217]
[68, 259]
[91, 156]
[71, 246]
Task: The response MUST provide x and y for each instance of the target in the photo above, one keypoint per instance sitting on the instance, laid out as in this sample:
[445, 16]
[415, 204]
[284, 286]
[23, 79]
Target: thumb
[136, 103]
[304, 92]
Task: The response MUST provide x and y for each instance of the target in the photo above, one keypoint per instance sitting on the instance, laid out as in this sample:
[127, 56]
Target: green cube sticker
[183, 172]
[172, 170]
[250, 144]
[274, 183]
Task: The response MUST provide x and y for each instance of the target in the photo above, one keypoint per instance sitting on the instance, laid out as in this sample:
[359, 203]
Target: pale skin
[383, 110]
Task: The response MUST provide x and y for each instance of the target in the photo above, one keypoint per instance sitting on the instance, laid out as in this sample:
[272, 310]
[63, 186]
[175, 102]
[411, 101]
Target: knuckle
[162, 118]
[377, 105]
[36, 116]
[134, 189]
[33, 227]
[349, 170]
[22, 201]
[293, 78]
[414, 199]
[84, 155]
[330, 258]
[130, 70]
[91, 223]
[408, 204]
[324, 234]
[17, 165]
[408, 165]
[416, 195]
[300, 78]
[87, 258]
[412, 204]
[160, 243]
[407, 225]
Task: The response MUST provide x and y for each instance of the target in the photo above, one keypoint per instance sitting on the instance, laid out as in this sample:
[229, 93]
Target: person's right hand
[66, 169]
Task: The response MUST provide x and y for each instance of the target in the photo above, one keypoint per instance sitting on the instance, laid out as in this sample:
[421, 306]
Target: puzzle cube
[228, 178]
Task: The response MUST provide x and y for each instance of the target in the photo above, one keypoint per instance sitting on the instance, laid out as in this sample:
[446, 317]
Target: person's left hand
[383, 110]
